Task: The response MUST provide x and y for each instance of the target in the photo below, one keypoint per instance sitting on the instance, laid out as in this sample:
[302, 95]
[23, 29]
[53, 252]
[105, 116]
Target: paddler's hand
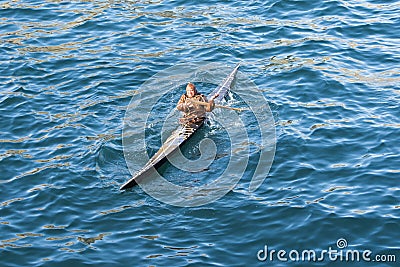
[211, 103]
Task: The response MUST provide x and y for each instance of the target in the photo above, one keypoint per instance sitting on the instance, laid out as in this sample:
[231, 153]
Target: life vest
[198, 111]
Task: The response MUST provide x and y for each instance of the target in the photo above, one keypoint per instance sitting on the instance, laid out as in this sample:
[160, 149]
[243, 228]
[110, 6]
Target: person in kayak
[189, 103]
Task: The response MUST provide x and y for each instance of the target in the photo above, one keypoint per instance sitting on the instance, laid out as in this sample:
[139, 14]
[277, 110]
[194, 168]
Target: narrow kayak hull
[179, 136]
[177, 139]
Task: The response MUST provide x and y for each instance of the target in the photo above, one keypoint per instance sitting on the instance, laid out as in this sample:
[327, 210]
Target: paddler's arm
[182, 106]
[211, 104]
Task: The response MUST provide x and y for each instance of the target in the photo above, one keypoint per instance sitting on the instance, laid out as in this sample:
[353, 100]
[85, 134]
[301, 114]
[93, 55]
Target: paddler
[194, 112]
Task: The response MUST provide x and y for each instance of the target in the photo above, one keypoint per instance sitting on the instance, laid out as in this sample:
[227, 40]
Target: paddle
[217, 106]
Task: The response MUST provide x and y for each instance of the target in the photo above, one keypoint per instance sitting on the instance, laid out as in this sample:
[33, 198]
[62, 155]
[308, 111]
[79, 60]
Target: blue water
[329, 70]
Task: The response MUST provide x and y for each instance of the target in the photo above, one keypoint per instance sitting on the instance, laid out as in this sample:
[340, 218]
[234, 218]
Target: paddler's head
[191, 90]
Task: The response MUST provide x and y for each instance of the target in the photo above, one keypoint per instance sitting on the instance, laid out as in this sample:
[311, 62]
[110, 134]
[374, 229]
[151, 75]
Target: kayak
[180, 135]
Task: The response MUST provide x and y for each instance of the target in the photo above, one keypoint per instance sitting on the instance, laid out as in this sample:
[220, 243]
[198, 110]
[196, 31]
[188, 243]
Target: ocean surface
[329, 71]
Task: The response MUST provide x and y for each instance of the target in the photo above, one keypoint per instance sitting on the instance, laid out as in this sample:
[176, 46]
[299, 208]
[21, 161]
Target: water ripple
[329, 70]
